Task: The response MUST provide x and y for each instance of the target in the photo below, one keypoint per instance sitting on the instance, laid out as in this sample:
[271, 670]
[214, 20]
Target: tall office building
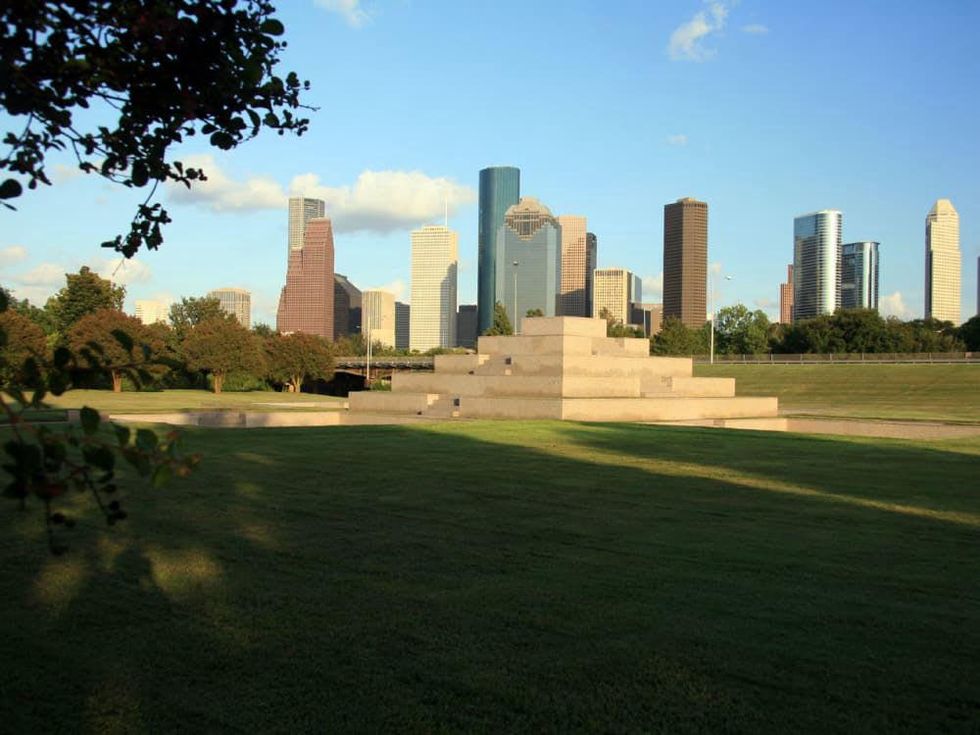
[151, 311]
[378, 317]
[817, 239]
[346, 307]
[307, 299]
[616, 291]
[574, 266]
[301, 211]
[686, 261]
[403, 325]
[786, 297]
[500, 189]
[649, 316]
[859, 276]
[528, 260]
[435, 259]
[591, 263]
[466, 326]
[943, 262]
[235, 301]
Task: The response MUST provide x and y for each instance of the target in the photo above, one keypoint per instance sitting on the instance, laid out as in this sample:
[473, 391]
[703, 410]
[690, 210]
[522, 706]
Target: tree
[739, 331]
[153, 74]
[263, 330]
[969, 333]
[501, 322]
[111, 341]
[84, 293]
[675, 338]
[190, 312]
[534, 312]
[294, 358]
[22, 340]
[219, 347]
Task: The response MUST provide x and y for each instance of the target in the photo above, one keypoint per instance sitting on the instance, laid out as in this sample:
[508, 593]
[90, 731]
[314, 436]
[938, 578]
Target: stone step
[590, 366]
[557, 325]
[548, 386]
[391, 402]
[683, 386]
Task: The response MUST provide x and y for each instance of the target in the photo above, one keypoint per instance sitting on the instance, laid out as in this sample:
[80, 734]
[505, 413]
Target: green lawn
[500, 577]
[922, 392]
[190, 400]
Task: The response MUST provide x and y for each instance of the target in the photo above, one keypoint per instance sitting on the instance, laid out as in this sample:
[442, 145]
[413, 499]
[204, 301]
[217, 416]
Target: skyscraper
[686, 261]
[378, 317]
[346, 307]
[574, 266]
[786, 297]
[403, 325]
[943, 262]
[528, 260]
[816, 263]
[616, 291]
[859, 276]
[591, 263]
[235, 301]
[306, 301]
[301, 211]
[435, 259]
[500, 188]
[151, 311]
[466, 325]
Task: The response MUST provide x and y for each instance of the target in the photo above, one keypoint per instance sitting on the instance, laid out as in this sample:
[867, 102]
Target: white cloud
[351, 11]
[12, 254]
[686, 42]
[385, 201]
[679, 140]
[756, 29]
[221, 193]
[45, 274]
[124, 272]
[378, 201]
[894, 305]
[653, 288]
[62, 172]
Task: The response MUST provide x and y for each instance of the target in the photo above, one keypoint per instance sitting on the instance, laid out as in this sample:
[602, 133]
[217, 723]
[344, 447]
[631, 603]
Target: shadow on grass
[506, 576]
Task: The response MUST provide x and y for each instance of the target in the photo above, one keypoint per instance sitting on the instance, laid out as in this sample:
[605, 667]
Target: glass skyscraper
[528, 261]
[500, 189]
[859, 279]
[816, 263]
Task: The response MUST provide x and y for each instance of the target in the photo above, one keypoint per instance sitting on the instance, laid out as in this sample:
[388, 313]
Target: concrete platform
[564, 368]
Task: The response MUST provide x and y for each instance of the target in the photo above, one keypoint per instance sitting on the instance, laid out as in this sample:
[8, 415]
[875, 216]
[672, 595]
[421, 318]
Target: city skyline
[751, 157]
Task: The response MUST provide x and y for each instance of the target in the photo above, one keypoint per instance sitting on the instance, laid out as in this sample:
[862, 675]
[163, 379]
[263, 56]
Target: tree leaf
[90, 420]
[10, 189]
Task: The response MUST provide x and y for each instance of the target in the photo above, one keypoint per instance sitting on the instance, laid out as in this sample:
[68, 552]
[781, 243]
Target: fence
[844, 358]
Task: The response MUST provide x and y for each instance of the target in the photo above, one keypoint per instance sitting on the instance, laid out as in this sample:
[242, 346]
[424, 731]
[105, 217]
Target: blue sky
[765, 110]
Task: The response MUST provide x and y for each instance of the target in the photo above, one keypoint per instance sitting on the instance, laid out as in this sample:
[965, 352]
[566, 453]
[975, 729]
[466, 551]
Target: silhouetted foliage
[20, 340]
[154, 73]
[111, 341]
[969, 333]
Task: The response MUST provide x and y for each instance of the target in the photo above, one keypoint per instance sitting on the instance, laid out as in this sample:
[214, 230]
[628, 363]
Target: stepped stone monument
[564, 368]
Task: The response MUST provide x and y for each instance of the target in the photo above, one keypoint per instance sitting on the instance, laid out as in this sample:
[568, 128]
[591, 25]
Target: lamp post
[711, 288]
[515, 296]
[367, 371]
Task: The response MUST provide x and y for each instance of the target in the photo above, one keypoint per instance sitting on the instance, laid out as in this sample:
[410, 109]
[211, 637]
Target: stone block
[573, 326]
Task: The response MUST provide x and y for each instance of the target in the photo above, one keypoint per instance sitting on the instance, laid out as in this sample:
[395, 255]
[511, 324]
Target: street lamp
[367, 324]
[515, 296]
[711, 288]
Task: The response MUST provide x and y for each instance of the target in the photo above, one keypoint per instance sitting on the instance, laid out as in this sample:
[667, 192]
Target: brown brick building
[307, 300]
[686, 261]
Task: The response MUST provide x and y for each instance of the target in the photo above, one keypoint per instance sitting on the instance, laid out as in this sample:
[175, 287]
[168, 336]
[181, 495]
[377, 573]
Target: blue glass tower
[500, 189]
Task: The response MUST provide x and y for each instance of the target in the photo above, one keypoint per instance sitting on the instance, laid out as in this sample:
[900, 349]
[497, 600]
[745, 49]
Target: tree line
[740, 331]
[203, 346]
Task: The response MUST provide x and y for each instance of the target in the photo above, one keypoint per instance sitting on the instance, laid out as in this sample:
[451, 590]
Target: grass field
[495, 576]
[921, 392]
[191, 400]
